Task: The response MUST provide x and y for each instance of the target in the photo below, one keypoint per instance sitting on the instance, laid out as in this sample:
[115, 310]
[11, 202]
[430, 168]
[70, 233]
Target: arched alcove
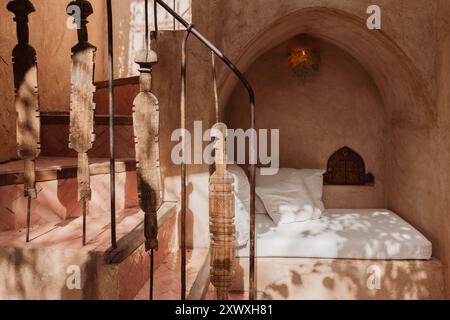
[404, 89]
[339, 105]
[408, 94]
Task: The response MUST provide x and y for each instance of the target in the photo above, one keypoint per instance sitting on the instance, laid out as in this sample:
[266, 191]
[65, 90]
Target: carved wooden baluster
[221, 218]
[146, 132]
[26, 100]
[82, 104]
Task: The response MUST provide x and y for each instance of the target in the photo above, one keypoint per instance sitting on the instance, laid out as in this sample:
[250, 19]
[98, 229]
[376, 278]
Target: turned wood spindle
[146, 132]
[82, 106]
[221, 218]
[146, 127]
[26, 99]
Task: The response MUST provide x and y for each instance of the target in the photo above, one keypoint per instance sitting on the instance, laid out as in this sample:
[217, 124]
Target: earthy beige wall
[340, 106]
[129, 30]
[52, 41]
[442, 226]
[167, 83]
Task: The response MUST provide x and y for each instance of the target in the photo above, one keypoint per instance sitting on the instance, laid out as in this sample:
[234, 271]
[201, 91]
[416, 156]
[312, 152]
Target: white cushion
[313, 180]
[286, 197]
[241, 190]
[342, 234]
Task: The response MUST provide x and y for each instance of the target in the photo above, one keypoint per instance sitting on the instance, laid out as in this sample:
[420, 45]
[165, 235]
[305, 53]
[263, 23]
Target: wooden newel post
[146, 132]
[26, 99]
[82, 104]
[221, 218]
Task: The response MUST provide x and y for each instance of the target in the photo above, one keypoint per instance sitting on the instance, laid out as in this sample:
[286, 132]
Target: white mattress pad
[342, 234]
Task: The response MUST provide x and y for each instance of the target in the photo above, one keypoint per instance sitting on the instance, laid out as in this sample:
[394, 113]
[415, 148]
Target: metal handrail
[251, 94]
[112, 158]
[183, 164]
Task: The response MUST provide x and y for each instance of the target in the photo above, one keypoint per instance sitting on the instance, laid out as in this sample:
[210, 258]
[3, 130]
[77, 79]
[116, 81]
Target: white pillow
[313, 180]
[286, 197]
[241, 190]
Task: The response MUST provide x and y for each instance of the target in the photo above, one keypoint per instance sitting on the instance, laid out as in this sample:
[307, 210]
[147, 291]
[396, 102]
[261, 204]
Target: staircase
[113, 263]
[41, 268]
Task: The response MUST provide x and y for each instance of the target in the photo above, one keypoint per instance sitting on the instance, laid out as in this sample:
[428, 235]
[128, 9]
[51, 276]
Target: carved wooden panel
[346, 167]
[26, 94]
[221, 218]
[82, 106]
[146, 132]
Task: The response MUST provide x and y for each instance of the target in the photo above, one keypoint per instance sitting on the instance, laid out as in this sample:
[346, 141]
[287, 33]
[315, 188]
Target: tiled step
[41, 269]
[57, 191]
[168, 277]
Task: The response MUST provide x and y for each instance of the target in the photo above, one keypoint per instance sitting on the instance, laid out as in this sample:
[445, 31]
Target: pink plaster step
[55, 136]
[42, 268]
[66, 234]
[57, 191]
[168, 277]
[125, 90]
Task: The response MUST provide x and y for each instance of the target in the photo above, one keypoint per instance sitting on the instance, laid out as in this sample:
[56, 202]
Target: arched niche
[404, 89]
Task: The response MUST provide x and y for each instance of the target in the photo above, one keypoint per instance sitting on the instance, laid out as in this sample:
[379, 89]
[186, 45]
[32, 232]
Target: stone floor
[233, 296]
[168, 279]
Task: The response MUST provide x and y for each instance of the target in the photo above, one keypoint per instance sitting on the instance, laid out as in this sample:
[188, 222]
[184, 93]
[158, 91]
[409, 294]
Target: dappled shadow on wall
[351, 279]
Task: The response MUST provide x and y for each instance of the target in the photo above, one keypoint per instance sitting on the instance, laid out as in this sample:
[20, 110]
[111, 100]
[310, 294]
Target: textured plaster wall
[340, 106]
[438, 222]
[129, 30]
[199, 107]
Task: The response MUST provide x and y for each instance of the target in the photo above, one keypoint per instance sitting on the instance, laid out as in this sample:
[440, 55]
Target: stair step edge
[133, 240]
[15, 177]
[63, 118]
